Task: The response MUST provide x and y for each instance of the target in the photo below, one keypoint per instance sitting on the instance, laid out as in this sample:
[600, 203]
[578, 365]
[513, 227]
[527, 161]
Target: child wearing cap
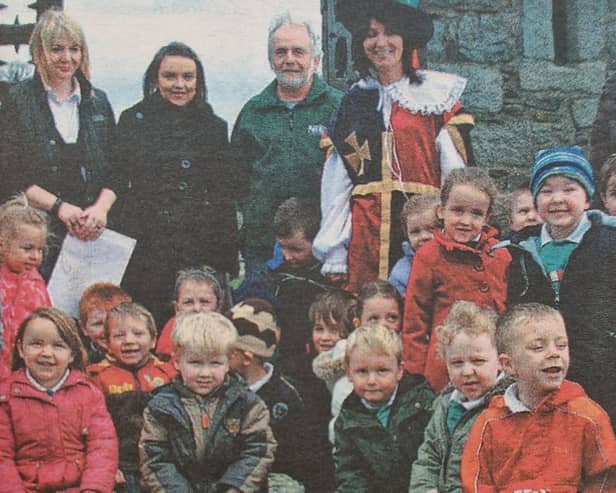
[257, 335]
[569, 263]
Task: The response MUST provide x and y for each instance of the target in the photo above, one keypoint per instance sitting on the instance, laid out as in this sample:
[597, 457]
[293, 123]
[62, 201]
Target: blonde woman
[57, 130]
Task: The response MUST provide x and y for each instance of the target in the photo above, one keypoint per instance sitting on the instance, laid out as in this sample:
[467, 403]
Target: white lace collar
[436, 95]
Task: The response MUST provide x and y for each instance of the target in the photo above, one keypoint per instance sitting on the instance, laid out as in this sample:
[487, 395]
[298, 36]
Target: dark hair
[334, 307]
[608, 169]
[297, 214]
[67, 329]
[380, 289]
[394, 24]
[174, 48]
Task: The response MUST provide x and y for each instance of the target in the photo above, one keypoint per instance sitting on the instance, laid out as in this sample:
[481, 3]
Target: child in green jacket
[381, 424]
[467, 344]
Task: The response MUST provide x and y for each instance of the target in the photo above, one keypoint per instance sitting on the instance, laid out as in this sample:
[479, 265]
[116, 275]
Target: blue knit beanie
[564, 161]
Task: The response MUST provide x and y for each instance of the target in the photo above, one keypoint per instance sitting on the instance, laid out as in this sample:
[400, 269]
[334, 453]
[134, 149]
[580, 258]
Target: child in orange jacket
[544, 433]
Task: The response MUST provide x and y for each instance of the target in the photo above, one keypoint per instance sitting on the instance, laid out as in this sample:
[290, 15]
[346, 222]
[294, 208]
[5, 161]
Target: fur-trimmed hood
[329, 366]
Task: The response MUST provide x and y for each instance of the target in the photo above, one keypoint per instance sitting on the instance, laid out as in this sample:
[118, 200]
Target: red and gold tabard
[393, 141]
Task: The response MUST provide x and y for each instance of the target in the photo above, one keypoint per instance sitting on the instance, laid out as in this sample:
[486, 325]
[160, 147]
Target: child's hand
[119, 478]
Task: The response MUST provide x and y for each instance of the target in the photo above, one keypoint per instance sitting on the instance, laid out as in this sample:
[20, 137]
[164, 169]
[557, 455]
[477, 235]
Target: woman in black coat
[57, 133]
[179, 205]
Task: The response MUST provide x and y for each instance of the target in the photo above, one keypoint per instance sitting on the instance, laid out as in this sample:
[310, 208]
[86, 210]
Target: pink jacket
[66, 442]
[445, 272]
[20, 295]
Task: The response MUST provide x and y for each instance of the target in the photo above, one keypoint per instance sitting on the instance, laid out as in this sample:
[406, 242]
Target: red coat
[21, 294]
[62, 443]
[164, 346]
[445, 272]
[566, 445]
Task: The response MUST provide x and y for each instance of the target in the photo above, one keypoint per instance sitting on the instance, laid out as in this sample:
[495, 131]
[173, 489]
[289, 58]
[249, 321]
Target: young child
[381, 424]
[544, 433]
[257, 334]
[95, 302]
[56, 432]
[607, 185]
[419, 221]
[457, 264]
[206, 431]
[127, 377]
[333, 316]
[293, 285]
[467, 344]
[522, 212]
[569, 263]
[378, 303]
[196, 290]
[23, 236]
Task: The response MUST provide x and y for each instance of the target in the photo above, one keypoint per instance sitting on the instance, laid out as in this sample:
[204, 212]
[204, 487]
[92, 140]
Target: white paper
[83, 263]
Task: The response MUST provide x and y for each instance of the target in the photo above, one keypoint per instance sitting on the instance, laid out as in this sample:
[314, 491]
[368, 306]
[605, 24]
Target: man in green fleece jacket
[277, 134]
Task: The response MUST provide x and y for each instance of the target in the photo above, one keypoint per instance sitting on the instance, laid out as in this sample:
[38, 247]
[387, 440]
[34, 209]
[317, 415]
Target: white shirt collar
[263, 380]
[73, 97]
[575, 236]
[512, 401]
[51, 390]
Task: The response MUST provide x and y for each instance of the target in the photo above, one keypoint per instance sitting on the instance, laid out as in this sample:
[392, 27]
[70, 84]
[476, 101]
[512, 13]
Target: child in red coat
[23, 236]
[458, 264]
[56, 433]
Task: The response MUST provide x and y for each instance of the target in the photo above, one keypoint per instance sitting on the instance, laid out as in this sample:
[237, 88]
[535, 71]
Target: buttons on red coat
[479, 267]
[484, 287]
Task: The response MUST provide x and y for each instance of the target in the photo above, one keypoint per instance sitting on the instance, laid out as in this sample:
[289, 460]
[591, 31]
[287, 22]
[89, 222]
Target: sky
[230, 36]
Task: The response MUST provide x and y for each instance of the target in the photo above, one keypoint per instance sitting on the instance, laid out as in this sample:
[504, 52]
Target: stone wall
[525, 91]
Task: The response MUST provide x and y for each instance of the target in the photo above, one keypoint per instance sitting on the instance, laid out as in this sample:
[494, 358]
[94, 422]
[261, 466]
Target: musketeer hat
[354, 14]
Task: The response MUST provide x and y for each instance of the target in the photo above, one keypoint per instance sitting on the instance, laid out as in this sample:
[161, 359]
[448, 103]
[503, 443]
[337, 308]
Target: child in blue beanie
[569, 262]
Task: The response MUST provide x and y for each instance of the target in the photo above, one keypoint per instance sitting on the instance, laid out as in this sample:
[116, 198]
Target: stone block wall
[533, 82]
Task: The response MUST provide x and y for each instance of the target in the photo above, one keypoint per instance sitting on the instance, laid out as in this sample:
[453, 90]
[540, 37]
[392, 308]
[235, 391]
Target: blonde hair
[507, 325]
[67, 330]
[376, 339]
[418, 204]
[53, 25]
[211, 333]
[131, 309]
[16, 212]
[469, 318]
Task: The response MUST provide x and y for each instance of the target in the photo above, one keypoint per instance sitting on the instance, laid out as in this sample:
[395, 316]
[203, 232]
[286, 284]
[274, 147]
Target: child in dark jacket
[257, 333]
[458, 264]
[206, 431]
[467, 343]
[381, 424]
[569, 263]
[56, 432]
[127, 377]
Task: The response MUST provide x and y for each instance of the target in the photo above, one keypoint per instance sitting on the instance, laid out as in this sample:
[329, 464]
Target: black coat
[179, 197]
[587, 303]
[33, 152]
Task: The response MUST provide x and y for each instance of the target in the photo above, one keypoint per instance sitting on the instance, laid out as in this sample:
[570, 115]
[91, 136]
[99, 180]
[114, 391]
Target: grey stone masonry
[535, 71]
